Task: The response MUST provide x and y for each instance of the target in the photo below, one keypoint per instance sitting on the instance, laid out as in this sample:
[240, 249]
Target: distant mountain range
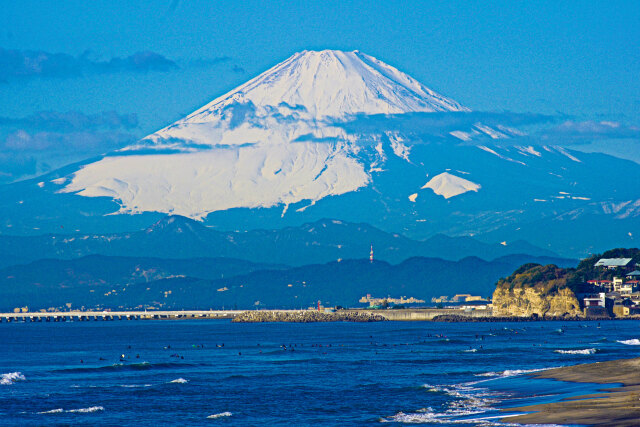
[129, 282]
[322, 241]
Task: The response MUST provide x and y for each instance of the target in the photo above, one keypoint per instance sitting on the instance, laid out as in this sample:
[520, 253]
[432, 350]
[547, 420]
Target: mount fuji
[342, 135]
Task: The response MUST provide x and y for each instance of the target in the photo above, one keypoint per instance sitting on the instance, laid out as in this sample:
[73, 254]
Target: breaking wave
[87, 410]
[220, 415]
[634, 341]
[510, 372]
[11, 377]
[179, 381]
[75, 411]
[52, 411]
[468, 400]
[585, 351]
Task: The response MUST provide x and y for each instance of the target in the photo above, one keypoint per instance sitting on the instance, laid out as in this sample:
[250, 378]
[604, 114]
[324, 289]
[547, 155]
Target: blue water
[179, 372]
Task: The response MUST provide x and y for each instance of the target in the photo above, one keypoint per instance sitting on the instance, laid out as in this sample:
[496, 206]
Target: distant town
[617, 297]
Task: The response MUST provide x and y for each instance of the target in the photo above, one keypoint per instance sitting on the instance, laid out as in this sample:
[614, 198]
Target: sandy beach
[617, 405]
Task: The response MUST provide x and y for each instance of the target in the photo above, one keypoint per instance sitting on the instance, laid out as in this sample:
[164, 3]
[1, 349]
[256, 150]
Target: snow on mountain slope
[194, 184]
[273, 140]
[448, 185]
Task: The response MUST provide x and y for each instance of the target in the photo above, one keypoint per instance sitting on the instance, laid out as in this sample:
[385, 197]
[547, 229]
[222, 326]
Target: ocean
[208, 372]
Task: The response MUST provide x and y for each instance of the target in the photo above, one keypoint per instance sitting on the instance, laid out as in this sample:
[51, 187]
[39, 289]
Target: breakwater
[307, 316]
[422, 314]
[302, 316]
[360, 315]
[84, 316]
[460, 318]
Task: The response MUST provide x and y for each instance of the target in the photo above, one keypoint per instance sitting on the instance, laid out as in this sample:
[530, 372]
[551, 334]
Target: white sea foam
[52, 411]
[87, 410]
[11, 377]
[634, 341]
[585, 351]
[471, 350]
[470, 405]
[220, 415]
[76, 411]
[135, 385]
[179, 381]
[509, 372]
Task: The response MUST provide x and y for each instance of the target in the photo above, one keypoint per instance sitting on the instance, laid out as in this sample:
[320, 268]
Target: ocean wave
[75, 411]
[585, 351]
[179, 381]
[87, 410]
[471, 350]
[11, 377]
[52, 411]
[110, 385]
[634, 341]
[220, 415]
[467, 400]
[510, 372]
[471, 397]
[436, 418]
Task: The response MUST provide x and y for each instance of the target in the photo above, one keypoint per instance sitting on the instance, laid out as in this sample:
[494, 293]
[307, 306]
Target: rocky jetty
[306, 316]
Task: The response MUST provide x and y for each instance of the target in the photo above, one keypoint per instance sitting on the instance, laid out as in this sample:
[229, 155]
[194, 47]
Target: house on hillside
[602, 285]
[633, 285]
[634, 275]
[627, 288]
[598, 305]
[612, 263]
[617, 284]
[635, 298]
[624, 307]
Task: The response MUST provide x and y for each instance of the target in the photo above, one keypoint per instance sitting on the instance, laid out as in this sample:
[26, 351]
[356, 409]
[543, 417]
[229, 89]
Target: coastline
[618, 404]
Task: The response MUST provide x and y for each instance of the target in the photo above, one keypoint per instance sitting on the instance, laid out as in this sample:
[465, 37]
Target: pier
[84, 316]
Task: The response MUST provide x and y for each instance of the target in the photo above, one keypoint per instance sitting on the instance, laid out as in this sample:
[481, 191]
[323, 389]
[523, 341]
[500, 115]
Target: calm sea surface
[209, 372]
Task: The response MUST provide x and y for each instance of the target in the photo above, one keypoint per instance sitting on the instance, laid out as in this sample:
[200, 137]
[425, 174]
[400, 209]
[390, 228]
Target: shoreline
[617, 404]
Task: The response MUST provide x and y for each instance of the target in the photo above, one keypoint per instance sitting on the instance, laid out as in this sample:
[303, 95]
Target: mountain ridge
[321, 241]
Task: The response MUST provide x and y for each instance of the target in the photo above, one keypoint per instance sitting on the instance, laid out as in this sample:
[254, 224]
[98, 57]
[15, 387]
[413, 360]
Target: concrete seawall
[423, 314]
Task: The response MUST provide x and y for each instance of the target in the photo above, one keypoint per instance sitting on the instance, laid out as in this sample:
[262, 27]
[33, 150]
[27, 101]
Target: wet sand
[618, 405]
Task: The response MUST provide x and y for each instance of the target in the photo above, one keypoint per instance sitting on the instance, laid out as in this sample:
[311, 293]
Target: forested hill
[547, 278]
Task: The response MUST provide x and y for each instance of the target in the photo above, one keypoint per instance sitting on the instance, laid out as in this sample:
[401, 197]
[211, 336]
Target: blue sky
[579, 59]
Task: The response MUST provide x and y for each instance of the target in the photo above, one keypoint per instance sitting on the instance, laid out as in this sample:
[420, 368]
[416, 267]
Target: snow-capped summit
[301, 97]
[333, 83]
